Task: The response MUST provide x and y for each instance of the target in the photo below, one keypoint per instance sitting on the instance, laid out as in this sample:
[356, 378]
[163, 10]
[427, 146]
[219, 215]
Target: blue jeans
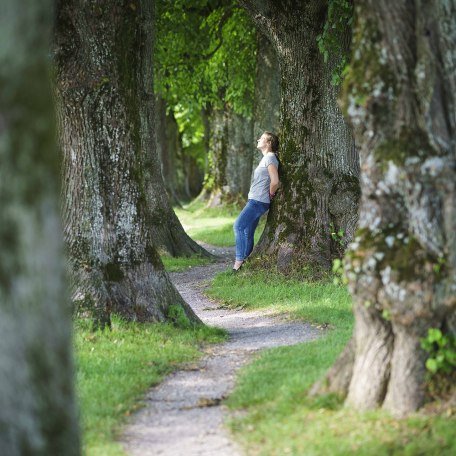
[245, 226]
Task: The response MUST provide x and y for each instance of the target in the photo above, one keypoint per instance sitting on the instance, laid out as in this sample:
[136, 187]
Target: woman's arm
[274, 175]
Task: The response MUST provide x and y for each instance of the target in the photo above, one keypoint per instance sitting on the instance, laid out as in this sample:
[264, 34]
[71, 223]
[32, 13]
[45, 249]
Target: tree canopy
[205, 56]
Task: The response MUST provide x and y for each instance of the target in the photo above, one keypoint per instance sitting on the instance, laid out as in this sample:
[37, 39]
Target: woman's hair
[273, 140]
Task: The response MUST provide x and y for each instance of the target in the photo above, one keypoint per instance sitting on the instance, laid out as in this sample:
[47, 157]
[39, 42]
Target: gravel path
[183, 415]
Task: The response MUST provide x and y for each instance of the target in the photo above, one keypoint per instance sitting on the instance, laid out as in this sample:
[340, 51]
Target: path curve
[183, 415]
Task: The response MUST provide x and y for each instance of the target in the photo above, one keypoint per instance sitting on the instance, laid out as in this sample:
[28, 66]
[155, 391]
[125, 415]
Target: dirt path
[183, 415]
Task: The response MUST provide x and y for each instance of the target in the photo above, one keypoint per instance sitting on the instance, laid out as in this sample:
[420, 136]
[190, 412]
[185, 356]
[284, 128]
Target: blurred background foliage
[205, 58]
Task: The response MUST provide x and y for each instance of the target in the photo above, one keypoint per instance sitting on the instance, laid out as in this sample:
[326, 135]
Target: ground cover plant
[115, 368]
[278, 417]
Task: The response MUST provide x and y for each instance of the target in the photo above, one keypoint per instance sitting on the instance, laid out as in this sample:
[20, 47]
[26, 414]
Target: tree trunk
[37, 403]
[372, 360]
[267, 88]
[319, 164]
[167, 143]
[400, 97]
[181, 174]
[166, 230]
[205, 193]
[114, 195]
[239, 155]
[231, 156]
[193, 176]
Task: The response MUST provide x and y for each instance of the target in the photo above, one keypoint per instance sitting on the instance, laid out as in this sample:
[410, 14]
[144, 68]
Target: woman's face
[263, 142]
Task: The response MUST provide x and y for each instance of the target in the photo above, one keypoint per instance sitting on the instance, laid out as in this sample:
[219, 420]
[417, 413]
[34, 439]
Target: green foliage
[205, 55]
[177, 316]
[386, 314]
[337, 235]
[204, 59]
[340, 16]
[439, 265]
[338, 271]
[115, 368]
[191, 131]
[442, 351]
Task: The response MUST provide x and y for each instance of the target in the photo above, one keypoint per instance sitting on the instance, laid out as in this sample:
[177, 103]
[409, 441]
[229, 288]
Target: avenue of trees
[205, 79]
[150, 95]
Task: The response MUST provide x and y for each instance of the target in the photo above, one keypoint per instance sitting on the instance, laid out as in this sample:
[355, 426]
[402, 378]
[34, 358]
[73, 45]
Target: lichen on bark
[399, 95]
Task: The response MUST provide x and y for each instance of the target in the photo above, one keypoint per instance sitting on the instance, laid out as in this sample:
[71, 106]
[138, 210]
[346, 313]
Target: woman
[264, 184]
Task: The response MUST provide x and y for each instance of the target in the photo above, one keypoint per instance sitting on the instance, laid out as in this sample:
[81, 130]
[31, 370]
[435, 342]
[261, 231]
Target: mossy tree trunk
[37, 403]
[267, 89]
[231, 148]
[400, 97]
[115, 207]
[319, 163]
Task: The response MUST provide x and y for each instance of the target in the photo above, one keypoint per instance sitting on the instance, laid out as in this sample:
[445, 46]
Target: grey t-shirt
[259, 188]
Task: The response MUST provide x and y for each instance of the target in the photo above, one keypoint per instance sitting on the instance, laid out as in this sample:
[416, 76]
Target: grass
[115, 368]
[180, 264]
[213, 226]
[276, 416]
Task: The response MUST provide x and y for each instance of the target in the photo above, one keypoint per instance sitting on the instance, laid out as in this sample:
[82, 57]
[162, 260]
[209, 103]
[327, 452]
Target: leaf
[431, 365]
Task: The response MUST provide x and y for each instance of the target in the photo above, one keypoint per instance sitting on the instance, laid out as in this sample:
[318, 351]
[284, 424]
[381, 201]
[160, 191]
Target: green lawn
[180, 264]
[115, 368]
[276, 416]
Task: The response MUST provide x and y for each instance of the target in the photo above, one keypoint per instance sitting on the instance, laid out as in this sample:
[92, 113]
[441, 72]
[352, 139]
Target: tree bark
[371, 366]
[37, 403]
[115, 207]
[193, 176]
[267, 88]
[400, 97]
[319, 164]
[205, 193]
[231, 148]
[181, 174]
[167, 232]
[168, 145]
